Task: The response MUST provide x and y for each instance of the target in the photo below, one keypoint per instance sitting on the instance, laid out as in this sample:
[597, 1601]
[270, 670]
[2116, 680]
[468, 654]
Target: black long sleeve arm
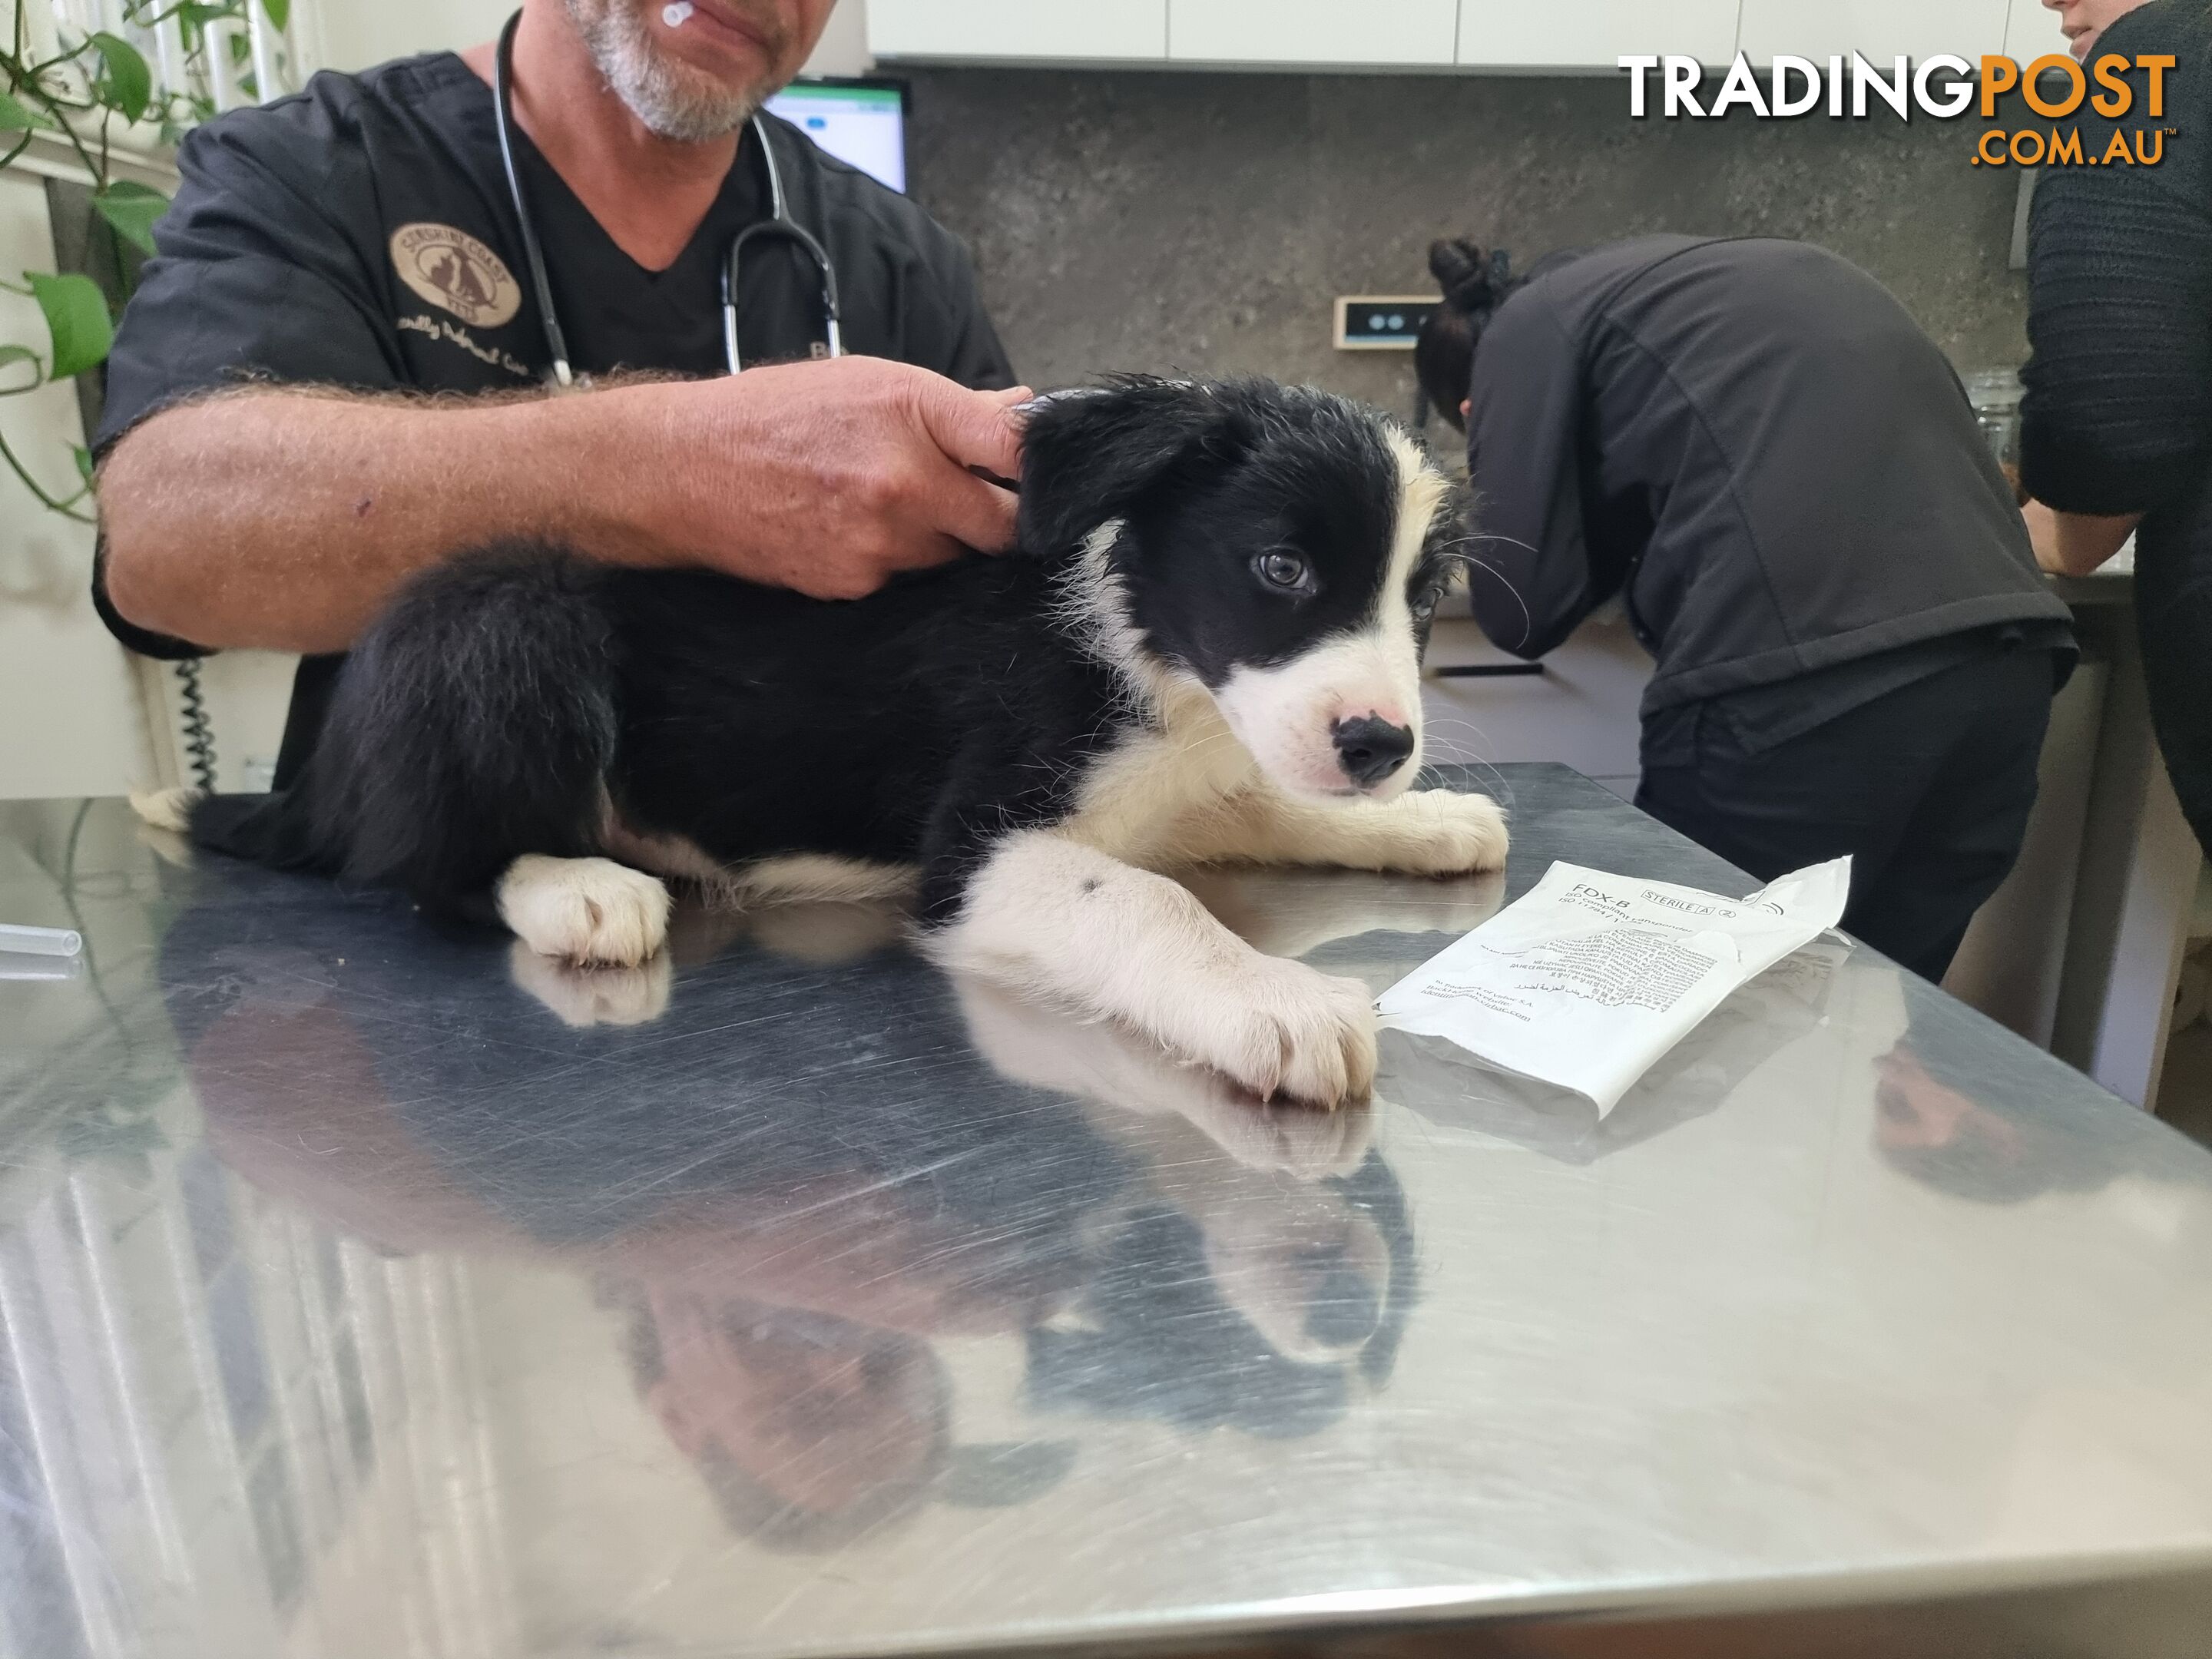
[2117, 418]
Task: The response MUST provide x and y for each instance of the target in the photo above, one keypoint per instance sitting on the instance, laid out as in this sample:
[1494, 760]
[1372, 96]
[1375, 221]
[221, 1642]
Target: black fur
[509, 697]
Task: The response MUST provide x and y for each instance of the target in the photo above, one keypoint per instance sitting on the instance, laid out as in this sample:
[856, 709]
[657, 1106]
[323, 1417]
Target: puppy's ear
[1101, 452]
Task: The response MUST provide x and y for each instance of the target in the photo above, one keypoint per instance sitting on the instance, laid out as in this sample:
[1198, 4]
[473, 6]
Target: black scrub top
[361, 235]
[2117, 418]
[1754, 443]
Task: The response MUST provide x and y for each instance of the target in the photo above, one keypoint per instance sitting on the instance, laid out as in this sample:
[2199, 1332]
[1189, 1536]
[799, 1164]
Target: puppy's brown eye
[1284, 570]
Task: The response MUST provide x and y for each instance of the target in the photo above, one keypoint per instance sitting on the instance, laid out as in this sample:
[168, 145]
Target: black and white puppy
[1206, 648]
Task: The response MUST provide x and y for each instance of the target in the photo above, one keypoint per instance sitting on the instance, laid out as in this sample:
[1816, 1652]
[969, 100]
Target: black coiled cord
[199, 733]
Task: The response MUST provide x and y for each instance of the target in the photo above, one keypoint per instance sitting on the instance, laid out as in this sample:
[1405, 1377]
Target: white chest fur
[1142, 803]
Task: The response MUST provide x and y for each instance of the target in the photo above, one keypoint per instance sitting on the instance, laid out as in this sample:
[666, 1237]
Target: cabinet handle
[1488, 670]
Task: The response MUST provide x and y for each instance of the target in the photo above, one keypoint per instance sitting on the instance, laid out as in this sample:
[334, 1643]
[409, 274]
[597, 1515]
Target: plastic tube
[40, 941]
[53, 970]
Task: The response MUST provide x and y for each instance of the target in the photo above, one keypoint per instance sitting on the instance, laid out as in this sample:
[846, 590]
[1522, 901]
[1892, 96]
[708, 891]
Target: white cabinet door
[1589, 34]
[1882, 29]
[974, 30]
[1412, 31]
[2033, 32]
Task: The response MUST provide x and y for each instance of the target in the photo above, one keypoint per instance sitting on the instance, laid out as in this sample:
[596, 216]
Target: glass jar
[1995, 394]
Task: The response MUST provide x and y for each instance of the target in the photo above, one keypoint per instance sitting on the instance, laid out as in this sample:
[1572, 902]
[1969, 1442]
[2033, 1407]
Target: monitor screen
[861, 123]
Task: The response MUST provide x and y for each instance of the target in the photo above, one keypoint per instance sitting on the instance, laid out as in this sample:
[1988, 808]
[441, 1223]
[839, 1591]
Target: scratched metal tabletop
[377, 1293]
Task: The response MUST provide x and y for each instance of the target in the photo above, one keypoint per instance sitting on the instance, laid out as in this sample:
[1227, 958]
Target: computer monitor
[861, 123]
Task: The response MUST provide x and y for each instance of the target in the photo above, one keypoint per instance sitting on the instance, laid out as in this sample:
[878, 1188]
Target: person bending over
[1751, 443]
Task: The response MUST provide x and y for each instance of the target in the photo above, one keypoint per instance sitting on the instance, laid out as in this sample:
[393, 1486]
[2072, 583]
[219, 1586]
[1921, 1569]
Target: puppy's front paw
[584, 910]
[1446, 833]
[1282, 1028]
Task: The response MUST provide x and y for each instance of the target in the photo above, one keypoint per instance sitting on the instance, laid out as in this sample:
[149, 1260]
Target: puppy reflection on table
[784, 1240]
[1270, 1192]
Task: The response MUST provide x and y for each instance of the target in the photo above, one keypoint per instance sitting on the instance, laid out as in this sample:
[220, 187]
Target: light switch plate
[1381, 322]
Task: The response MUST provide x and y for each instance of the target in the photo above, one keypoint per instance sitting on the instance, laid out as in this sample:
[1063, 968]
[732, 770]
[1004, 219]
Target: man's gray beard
[672, 103]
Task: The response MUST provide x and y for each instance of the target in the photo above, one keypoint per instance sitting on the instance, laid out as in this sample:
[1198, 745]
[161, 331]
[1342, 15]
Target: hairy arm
[2076, 543]
[286, 519]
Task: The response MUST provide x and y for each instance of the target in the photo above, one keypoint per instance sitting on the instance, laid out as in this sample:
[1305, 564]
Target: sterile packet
[1589, 978]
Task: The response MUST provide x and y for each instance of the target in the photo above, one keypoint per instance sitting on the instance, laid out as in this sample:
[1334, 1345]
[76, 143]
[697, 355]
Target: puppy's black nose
[1370, 750]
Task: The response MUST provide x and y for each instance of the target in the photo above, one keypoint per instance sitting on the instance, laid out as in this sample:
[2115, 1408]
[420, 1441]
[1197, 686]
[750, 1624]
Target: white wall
[844, 47]
[69, 714]
[358, 32]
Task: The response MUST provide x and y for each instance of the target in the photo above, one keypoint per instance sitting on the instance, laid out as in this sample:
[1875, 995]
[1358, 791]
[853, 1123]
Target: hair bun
[1471, 280]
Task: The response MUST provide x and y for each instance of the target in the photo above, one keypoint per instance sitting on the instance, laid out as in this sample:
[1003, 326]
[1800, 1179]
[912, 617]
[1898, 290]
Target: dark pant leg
[1964, 837]
[2174, 616]
[1808, 801]
[1928, 788]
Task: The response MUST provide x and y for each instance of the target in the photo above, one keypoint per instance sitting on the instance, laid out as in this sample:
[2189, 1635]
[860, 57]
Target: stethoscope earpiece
[779, 223]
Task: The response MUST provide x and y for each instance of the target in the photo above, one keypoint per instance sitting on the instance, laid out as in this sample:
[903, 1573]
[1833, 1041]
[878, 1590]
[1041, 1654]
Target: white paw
[580, 997]
[1282, 1028]
[584, 910]
[1293, 1139]
[1442, 832]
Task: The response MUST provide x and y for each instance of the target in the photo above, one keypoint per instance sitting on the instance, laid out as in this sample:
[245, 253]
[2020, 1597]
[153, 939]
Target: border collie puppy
[1206, 647]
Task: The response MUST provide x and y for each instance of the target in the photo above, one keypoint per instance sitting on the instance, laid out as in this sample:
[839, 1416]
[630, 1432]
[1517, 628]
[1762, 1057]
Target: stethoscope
[779, 223]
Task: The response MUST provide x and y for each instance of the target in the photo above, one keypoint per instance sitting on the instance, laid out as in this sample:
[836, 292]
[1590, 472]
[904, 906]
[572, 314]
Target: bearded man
[337, 370]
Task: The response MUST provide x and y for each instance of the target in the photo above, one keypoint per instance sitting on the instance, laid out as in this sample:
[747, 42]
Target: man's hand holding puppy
[827, 477]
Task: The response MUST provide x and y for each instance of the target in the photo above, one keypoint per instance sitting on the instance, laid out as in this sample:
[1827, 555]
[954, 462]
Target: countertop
[374, 1291]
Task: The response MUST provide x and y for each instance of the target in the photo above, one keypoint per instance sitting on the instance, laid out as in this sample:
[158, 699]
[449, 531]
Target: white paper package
[1590, 978]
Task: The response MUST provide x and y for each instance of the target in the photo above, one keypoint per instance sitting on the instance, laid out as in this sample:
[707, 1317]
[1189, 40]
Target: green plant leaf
[280, 11]
[76, 321]
[12, 355]
[125, 81]
[84, 467]
[16, 116]
[132, 209]
[192, 26]
[193, 16]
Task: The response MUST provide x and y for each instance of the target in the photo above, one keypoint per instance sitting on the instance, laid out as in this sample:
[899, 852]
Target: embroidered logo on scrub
[455, 272]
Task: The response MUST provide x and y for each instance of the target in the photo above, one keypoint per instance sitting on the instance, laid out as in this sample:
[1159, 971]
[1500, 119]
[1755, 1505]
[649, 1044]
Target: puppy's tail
[474, 722]
[266, 829]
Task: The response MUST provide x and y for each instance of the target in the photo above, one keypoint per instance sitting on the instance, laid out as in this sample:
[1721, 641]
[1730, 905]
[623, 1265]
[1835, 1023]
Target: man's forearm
[286, 520]
[2076, 543]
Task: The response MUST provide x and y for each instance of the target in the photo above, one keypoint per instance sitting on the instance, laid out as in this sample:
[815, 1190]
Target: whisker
[1489, 536]
[1500, 791]
[1528, 620]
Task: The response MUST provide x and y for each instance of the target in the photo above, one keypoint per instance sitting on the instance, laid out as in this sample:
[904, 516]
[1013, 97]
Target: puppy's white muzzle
[1342, 719]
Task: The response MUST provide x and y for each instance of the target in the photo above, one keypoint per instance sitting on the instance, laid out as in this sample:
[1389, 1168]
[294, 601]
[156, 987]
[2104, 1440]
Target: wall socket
[1381, 322]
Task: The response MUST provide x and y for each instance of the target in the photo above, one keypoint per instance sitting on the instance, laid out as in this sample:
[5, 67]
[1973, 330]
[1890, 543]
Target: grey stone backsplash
[1204, 223]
